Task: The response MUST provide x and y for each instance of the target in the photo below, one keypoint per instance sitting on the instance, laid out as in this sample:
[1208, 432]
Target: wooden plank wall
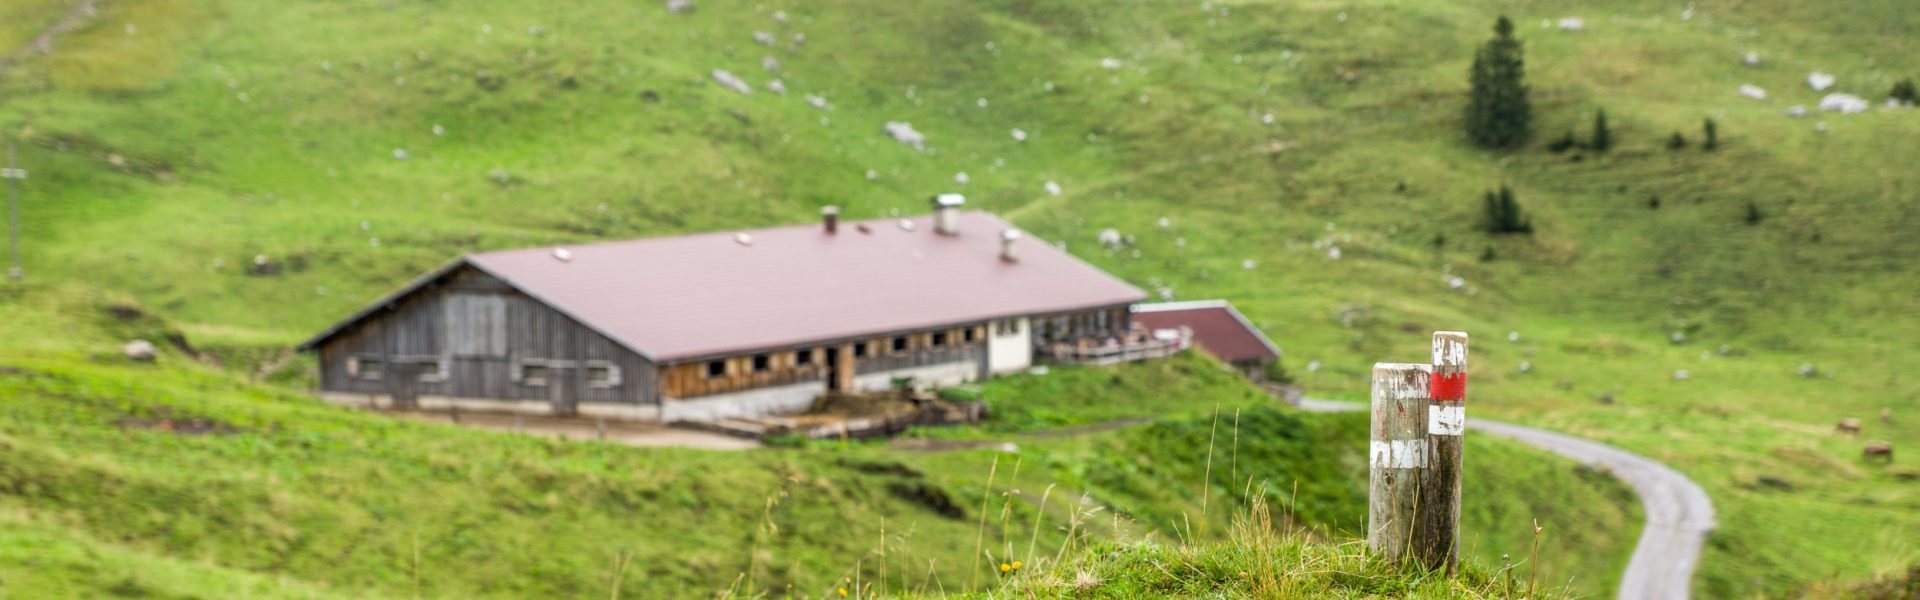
[419, 327]
[921, 351]
[1074, 326]
[687, 380]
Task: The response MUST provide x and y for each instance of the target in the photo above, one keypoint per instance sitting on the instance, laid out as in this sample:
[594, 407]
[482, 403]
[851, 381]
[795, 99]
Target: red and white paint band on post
[1448, 413]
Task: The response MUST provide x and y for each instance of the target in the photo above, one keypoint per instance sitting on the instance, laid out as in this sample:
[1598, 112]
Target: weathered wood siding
[485, 332]
[1075, 326]
[921, 352]
[692, 379]
[688, 380]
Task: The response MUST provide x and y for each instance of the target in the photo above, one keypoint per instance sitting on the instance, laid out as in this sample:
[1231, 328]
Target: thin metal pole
[13, 212]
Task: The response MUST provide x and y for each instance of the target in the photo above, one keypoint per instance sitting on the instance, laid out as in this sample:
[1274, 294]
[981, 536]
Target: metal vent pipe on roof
[1007, 240]
[946, 213]
[830, 219]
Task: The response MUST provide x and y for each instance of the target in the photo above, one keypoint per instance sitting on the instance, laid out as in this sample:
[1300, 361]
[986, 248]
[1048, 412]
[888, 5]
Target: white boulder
[732, 82]
[1819, 81]
[1573, 24]
[140, 350]
[1843, 103]
[903, 132]
[1752, 91]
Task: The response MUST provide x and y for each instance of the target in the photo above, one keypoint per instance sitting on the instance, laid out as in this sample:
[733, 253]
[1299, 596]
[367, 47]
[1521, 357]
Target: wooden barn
[1216, 327]
[706, 326]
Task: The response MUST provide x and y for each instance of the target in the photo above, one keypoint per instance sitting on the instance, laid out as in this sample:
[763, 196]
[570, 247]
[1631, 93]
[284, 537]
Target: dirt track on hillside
[1679, 514]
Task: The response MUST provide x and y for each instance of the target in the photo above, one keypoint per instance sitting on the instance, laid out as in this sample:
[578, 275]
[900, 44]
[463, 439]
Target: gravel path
[1679, 514]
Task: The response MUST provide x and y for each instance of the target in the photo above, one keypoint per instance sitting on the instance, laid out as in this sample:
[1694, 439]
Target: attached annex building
[706, 326]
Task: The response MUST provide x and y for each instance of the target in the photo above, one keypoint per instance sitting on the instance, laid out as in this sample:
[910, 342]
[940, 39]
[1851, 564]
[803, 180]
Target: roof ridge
[727, 232]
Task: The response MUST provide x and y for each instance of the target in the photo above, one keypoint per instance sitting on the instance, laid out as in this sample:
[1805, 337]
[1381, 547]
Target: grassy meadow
[241, 174]
[180, 481]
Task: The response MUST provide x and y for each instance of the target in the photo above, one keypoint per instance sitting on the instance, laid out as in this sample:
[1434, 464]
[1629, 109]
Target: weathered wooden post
[1396, 456]
[1437, 539]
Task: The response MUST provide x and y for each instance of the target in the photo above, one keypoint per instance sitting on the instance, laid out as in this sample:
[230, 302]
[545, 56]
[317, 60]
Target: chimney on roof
[1007, 239]
[830, 219]
[946, 213]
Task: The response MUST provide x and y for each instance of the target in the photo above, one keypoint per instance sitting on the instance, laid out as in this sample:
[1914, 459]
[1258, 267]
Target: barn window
[717, 368]
[533, 374]
[365, 367]
[803, 357]
[969, 335]
[761, 363]
[427, 369]
[860, 350]
[900, 343]
[601, 373]
[939, 339]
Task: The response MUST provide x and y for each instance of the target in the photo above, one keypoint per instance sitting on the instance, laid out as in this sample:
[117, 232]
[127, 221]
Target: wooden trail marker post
[1396, 456]
[1437, 537]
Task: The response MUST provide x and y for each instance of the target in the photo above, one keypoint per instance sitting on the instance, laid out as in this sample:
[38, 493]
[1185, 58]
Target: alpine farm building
[707, 326]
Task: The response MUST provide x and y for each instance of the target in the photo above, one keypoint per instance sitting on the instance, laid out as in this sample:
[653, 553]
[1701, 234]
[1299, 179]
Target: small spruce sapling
[1905, 92]
[1712, 132]
[1504, 214]
[1753, 213]
[1677, 141]
[1602, 137]
[1653, 203]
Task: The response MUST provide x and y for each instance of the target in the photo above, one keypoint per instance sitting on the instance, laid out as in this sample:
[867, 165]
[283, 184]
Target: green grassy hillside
[174, 144]
[172, 481]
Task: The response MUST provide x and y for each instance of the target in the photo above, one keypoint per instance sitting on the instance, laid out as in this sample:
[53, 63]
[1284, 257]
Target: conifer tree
[1504, 214]
[1498, 115]
[1677, 141]
[1713, 135]
[1905, 92]
[1602, 137]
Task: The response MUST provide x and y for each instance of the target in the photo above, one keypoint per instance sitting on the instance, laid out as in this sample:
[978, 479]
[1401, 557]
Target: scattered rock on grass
[732, 82]
[138, 350]
[1753, 91]
[1843, 103]
[1819, 81]
[903, 132]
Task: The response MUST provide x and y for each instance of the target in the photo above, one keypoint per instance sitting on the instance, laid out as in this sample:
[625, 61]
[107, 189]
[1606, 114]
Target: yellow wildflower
[1016, 565]
[1004, 567]
[843, 592]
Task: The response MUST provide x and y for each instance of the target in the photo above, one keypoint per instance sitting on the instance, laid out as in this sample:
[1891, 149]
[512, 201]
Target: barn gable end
[467, 335]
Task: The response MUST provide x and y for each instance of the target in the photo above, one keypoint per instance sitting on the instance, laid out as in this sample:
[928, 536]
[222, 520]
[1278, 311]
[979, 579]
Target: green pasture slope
[174, 142]
[180, 481]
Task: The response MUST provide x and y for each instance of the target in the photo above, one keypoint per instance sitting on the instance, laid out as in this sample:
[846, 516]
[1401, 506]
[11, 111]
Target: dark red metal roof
[1217, 328]
[694, 296]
